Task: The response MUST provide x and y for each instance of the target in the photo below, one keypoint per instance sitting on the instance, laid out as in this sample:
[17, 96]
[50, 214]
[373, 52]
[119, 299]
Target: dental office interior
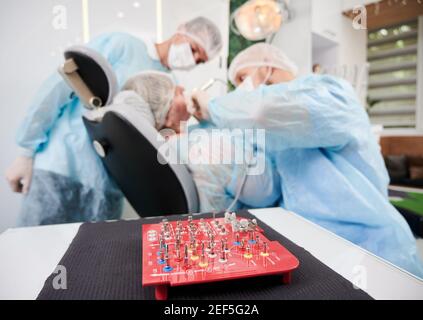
[352, 54]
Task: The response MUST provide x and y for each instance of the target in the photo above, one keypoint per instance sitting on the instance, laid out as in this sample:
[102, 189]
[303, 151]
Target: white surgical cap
[205, 33]
[157, 89]
[261, 55]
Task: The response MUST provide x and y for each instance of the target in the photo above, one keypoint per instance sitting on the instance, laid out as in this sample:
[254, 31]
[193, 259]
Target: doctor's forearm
[41, 116]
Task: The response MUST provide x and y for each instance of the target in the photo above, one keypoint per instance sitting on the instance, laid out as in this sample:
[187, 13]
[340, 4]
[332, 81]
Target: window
[393, 96]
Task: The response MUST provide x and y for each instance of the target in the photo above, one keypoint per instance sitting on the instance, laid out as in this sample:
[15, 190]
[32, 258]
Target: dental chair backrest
[90, 75]
[127, 148]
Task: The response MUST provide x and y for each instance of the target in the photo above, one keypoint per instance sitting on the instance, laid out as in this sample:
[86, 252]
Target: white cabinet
[326, 18]
[295, 37]
[319, 34]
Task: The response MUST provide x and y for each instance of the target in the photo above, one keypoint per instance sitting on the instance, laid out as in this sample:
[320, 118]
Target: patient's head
[165, 99]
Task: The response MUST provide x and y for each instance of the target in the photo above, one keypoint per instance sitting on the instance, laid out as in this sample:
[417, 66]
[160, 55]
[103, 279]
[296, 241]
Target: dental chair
[128, 147]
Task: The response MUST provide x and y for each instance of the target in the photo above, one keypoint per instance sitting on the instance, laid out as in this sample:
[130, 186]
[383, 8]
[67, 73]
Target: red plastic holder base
[205, 251]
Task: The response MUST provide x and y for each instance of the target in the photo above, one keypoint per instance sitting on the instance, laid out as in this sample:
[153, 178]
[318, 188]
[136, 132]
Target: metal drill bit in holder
[203, 260]
[186, 258]
[167, 267]
[248, 254]
[265, 250]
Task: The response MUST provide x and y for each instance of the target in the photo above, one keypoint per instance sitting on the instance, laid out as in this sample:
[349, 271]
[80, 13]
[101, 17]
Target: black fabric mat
[104, 262]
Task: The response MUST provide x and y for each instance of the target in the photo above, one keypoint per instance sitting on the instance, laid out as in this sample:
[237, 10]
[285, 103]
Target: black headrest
[131, 158]
[95, 71]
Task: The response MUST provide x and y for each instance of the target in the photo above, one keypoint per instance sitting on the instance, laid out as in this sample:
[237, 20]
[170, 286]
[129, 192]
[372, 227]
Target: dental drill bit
[223, 257]
[212, 253]
[178, 254]
[251, 237]
[237, 242]
[194, 255]
[248, 254]
[265, 250]
[167, 267]
[161, 256]
[226, 248]
[203, 261]
[186, 258]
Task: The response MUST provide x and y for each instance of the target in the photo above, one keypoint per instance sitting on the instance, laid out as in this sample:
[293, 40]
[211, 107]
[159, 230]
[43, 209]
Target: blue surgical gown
[329, 164]
[69, 181]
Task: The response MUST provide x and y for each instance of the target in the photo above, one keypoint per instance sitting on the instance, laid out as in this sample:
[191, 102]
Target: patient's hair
[157, 89]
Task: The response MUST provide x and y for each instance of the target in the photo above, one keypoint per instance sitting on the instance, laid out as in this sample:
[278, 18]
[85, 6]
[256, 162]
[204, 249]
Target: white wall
[303, 44]
[122, 16]
[353, 52]
[295, 37]
[325, 52]
[353, 44]
[32, 49]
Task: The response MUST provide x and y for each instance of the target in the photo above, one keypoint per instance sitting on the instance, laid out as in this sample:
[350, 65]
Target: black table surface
[104, 262]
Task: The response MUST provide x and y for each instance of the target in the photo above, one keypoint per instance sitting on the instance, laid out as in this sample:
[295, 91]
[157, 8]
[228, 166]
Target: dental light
[258, 19]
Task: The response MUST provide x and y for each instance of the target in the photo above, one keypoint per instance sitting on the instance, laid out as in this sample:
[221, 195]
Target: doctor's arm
[261, 188]
[320, 113]
[42, 114]
[34, 131]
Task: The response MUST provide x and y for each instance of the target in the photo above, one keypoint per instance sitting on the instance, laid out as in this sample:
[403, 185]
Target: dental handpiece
[211, 82]
[190, 104]
[188, 98]
[208, 84]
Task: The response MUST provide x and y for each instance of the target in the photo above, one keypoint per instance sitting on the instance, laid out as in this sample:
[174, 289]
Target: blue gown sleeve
[123, 53]
[261, 189]
[42, 114]
[126, 54]
[310, 112]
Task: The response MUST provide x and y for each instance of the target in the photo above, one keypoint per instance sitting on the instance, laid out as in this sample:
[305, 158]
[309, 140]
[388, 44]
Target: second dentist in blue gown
[319, 139]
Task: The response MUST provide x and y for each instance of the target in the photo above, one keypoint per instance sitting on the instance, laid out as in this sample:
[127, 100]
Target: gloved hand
[19, 174]
[201, 104]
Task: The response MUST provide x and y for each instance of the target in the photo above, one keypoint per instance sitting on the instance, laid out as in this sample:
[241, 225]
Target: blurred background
[376, 45]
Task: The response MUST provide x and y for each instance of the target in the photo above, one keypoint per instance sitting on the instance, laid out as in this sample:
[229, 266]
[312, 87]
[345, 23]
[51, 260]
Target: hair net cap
[261, 55]
[157, 89]
[205, 33]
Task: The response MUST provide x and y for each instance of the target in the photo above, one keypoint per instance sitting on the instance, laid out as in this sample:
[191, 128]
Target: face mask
[181, 57]
[247, 84]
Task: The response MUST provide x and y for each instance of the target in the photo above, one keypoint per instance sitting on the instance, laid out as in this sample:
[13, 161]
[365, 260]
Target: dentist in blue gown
[58, 171]
[323, 162]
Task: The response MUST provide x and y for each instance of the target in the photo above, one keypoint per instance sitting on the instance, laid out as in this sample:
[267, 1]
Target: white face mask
[247, 84]
[181, 57]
